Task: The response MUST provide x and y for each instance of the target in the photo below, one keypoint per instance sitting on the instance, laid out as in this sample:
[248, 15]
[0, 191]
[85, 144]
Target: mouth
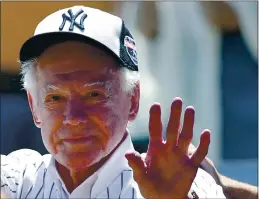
[75, 140]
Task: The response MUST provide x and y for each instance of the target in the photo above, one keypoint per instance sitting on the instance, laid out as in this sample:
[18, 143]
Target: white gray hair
[29, 77]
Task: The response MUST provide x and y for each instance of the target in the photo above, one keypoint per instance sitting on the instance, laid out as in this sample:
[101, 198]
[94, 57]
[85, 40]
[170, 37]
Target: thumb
[137, 164]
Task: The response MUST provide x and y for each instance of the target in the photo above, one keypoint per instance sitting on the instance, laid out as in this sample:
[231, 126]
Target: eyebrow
[50, 87]
[94, 84]
[105, 84]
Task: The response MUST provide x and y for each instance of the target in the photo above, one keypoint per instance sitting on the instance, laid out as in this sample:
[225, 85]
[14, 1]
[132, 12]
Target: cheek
[117, 113]
[111, 119]
[51, 122]
[50, 118]
[105, 118]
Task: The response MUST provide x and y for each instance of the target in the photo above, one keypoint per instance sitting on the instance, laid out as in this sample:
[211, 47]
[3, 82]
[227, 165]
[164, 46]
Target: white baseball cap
[84, 24]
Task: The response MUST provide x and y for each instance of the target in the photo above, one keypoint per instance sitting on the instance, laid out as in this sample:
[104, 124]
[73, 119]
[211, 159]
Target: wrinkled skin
[80, 96]
[80, 107]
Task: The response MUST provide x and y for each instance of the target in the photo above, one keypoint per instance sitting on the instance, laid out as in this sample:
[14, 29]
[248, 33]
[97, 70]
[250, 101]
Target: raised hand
[168, 171]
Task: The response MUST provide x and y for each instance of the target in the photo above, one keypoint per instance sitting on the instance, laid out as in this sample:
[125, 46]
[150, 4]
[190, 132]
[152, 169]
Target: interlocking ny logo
[72, 19]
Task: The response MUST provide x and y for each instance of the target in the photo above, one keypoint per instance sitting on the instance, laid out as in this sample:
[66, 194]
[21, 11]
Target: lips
[78, 139]
[77, 145]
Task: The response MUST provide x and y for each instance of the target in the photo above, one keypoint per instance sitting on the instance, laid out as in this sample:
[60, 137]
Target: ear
[134, 103]
[33, 111]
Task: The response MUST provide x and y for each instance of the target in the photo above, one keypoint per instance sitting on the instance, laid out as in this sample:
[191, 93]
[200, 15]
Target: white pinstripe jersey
[27, 174]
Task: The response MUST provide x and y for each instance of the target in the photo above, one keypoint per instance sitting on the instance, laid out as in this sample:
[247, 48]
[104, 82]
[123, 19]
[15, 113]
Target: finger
[186, 134]
[137, 164]
[172, 130]
[205, 162]
[155, 134]
[155, 124]
[191, 149]
[202, 149]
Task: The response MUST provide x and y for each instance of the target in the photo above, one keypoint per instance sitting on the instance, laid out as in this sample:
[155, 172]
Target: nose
[75, 113]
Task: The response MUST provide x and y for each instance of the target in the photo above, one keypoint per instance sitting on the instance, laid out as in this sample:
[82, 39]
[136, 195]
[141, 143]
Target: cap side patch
[130, 46]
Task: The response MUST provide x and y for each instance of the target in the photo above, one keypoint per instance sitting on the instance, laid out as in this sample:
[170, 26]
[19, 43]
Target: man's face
[81, 107]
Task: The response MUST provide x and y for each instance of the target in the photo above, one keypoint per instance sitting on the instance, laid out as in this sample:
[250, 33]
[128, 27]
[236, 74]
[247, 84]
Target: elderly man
[81, 75]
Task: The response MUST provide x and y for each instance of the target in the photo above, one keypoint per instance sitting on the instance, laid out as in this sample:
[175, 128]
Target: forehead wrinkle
[82, 75]
[50, 87]
[107, 81]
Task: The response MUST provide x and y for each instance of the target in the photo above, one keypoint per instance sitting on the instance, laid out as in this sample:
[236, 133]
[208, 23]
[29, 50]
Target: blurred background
[204, 52]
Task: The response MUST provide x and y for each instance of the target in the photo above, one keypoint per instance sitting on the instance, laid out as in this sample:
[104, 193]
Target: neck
[72, 179]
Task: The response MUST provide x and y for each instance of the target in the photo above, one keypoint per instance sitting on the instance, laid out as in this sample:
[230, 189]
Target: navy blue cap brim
[37, 44]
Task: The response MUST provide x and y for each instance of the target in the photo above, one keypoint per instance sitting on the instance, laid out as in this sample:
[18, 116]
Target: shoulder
[18, 161]
[22, 153]
[21, 157]
[205, 186]
[18, 170]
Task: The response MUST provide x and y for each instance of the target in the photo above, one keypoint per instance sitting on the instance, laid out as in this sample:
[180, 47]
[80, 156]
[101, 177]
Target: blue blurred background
[204, 52]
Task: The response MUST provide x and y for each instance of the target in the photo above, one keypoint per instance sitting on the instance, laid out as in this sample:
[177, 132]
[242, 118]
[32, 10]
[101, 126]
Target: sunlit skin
[81, 108]
[167, 170]
[83, 112]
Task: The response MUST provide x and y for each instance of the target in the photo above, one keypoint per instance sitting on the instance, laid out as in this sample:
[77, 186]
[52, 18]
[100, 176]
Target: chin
[79, 161]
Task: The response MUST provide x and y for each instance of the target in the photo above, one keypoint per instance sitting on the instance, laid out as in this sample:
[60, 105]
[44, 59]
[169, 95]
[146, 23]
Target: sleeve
[13, 167]
[204, 186]
[11, 171]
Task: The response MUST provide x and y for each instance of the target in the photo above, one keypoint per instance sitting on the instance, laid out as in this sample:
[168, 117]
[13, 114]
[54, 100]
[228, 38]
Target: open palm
[167, 171]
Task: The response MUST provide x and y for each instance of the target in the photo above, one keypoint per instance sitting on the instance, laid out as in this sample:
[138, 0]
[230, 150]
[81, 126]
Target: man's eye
[94, 94]
[55, 98]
